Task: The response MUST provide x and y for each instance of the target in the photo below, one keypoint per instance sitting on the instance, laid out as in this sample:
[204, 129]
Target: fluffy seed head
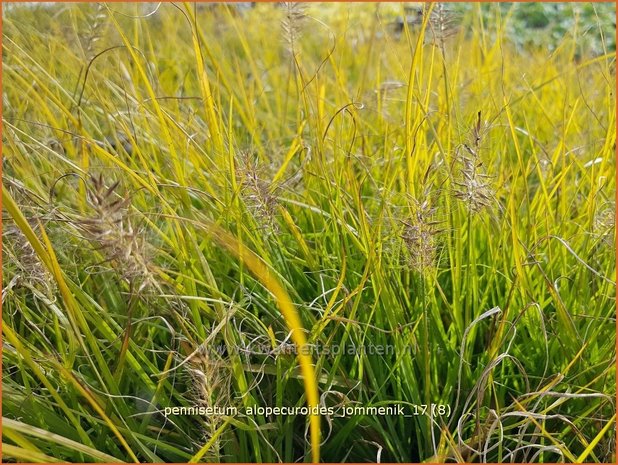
[420, 236]
[472, 185]
[109, 227]
[292, 24]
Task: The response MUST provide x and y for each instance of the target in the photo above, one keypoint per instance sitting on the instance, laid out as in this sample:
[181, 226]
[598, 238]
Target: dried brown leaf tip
[472, 184]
